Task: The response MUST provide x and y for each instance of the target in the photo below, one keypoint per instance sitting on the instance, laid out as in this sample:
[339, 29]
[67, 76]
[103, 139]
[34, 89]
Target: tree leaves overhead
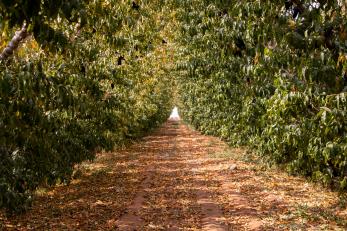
[36, 15]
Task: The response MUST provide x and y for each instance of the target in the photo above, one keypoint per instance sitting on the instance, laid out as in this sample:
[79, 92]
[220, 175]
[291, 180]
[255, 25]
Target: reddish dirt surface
[178, 179]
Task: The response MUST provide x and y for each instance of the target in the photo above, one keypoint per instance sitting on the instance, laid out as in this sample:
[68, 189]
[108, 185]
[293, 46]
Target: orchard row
[270, 75]
[87, 76]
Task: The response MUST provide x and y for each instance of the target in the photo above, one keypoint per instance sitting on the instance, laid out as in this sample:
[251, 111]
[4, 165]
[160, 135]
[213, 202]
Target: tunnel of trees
[80, 76]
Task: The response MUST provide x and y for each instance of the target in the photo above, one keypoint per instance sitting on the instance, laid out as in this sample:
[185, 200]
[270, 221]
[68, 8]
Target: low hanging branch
[12, 46]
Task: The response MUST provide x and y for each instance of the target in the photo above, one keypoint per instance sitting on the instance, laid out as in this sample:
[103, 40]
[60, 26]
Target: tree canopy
[82, 76]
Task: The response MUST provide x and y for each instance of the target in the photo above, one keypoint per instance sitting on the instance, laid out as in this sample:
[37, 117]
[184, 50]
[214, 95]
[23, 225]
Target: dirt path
[178, 179]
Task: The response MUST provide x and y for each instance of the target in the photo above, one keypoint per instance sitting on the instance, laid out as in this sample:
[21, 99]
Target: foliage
[270, 75]
[92, 76]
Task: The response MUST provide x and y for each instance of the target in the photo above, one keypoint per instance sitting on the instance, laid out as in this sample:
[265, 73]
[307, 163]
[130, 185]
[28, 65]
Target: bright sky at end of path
[174, 114]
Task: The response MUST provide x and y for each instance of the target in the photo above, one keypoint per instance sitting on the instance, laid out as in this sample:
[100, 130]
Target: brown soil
[178, 179]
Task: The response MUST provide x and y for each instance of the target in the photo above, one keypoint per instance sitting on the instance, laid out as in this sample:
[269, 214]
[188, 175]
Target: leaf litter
[179, 179]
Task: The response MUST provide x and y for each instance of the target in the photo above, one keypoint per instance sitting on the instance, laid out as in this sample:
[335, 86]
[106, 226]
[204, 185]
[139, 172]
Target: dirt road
[178, 179]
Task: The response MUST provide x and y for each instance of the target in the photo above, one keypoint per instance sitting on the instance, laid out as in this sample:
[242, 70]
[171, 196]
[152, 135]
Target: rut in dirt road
[178, 179]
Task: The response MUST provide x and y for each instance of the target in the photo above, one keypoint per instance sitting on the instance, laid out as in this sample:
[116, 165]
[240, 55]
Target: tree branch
[12, 46]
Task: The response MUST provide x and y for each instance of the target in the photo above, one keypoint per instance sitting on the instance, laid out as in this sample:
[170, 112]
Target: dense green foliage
[90, 76]
[270, 75]
[93, 74]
